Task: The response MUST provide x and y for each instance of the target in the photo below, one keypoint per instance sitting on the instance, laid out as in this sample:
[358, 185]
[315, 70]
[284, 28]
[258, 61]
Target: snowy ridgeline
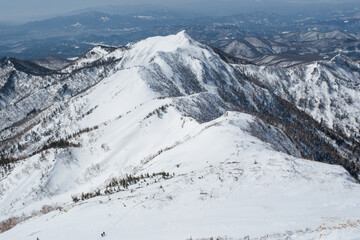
[152, 148]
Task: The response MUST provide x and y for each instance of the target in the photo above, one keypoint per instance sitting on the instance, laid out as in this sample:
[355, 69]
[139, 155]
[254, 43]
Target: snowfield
[231, 177]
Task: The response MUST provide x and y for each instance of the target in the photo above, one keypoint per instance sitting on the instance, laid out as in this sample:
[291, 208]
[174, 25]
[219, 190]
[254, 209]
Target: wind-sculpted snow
[163, 139]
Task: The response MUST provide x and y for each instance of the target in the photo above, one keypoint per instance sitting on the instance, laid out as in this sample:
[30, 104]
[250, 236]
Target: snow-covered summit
[143, 52]
[166, 43]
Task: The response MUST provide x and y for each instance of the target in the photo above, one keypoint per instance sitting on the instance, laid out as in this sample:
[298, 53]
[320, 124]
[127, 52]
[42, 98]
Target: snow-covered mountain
[163, 139]
[326, 90]
[290, 49]
[252, 47]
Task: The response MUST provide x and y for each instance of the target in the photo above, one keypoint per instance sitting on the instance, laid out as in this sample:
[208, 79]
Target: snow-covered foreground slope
[169, 113]
[226, 183]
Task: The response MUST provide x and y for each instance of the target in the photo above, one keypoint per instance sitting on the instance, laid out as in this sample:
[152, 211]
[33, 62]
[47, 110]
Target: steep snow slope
[327, 90]
[166, 105]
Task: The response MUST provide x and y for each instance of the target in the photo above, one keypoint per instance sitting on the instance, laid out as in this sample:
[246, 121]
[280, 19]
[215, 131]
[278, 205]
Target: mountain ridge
[164, 105]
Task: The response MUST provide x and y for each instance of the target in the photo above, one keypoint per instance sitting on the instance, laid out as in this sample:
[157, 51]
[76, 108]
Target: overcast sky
[26, 10]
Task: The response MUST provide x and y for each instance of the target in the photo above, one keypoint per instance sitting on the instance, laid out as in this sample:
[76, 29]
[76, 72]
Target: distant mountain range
[69, 36]
[289, 49]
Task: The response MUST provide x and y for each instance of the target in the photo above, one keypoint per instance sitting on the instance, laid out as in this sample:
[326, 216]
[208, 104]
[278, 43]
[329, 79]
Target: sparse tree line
[151, 157]
[90, 111]
[6, 161]
[85, 130]
[121, 184]
[62, 143]
[159, 111]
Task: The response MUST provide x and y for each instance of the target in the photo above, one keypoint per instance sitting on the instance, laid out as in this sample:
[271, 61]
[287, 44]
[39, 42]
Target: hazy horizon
[21, 11]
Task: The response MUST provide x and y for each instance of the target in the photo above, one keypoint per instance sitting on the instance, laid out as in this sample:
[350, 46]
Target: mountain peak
[143, 52]
[167, 43]
[183, 34]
